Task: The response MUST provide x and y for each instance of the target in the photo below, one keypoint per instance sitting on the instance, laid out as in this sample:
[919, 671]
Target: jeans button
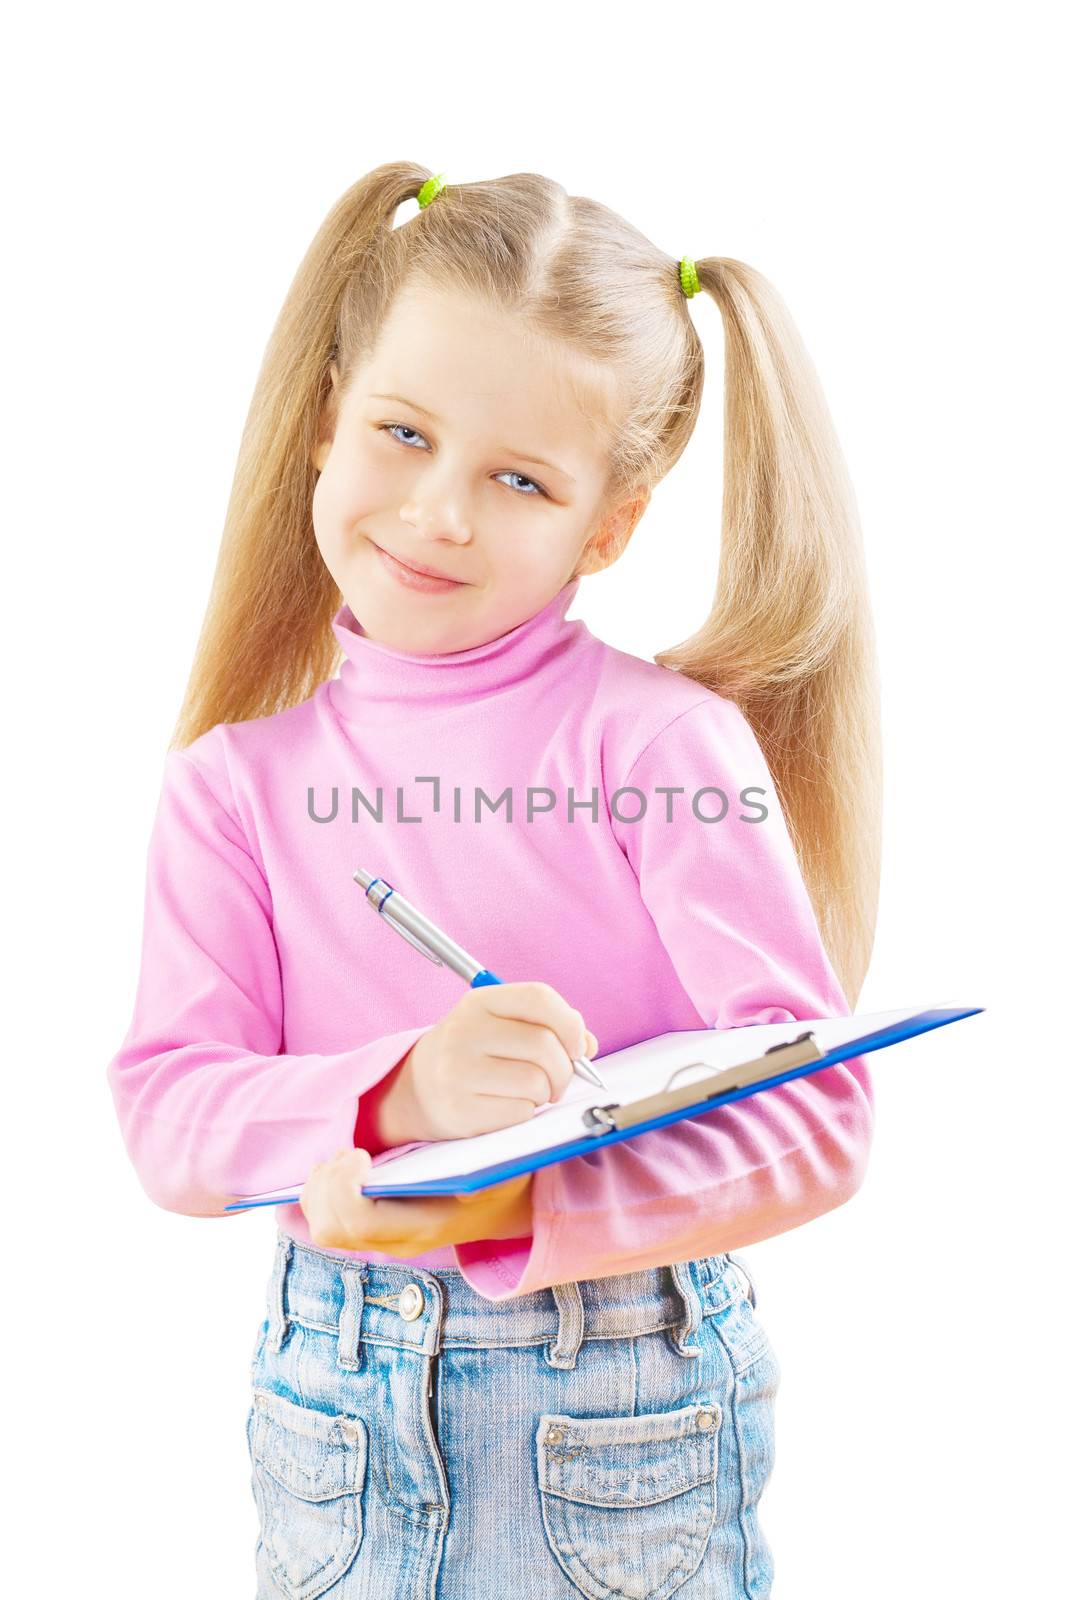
[411, 1302]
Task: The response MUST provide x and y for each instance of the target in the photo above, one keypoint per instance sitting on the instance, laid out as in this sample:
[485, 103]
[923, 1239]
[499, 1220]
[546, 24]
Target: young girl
[557, 1385]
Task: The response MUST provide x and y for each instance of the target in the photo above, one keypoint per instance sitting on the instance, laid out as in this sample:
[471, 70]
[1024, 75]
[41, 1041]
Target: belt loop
[741, 1266]
[279, 1322]
[568, 1341]
[349, 1345]
[686, 1285]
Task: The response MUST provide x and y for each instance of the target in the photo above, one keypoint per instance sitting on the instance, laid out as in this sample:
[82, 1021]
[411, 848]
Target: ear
[604, 546]
[327, 422]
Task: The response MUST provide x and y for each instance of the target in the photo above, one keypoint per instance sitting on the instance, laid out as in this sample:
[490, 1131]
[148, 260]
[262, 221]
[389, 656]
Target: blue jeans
[410, 1439]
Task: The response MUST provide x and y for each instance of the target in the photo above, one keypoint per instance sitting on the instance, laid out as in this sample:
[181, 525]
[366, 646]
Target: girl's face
[461, 446]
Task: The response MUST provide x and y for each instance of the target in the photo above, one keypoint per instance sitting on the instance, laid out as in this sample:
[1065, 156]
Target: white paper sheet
[630, 1074]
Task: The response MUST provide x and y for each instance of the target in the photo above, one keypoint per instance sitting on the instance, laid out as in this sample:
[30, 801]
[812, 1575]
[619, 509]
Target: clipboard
[794, 1051]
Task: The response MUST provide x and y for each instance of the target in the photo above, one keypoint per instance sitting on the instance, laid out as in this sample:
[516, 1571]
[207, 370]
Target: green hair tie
[431, 189]
[687, 272]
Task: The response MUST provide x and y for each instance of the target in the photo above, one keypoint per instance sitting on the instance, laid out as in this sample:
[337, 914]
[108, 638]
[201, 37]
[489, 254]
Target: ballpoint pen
[439, 948]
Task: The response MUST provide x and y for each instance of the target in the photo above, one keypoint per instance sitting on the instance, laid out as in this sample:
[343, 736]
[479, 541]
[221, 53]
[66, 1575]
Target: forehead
[476, 365]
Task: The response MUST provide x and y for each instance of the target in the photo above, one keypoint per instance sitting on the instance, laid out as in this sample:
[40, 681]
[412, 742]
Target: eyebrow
[521, 454]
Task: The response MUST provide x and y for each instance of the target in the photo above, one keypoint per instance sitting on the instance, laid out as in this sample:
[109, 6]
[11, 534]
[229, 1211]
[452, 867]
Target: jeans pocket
[628, 1503]
[308, 1471]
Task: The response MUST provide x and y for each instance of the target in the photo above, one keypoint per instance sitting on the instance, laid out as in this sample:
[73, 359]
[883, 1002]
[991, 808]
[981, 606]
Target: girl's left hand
[341, 1217]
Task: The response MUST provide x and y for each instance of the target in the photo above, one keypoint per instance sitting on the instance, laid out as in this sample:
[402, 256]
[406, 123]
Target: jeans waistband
[403, 1305]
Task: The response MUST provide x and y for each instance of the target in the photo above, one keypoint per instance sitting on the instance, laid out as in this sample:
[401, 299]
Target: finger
[451, 1219]
[557, 1059]
[317, 1202]
[347, 1173]
[535, 1047]
[537, 1003]
[329, 1188]
[533, 1075]
[409, 1227]
[494, 1112]
[497, 1193]
[398, 1226]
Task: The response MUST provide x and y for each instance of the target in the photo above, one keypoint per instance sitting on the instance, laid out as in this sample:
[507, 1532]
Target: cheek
[324, 514]
[349, 488]
[537, 551]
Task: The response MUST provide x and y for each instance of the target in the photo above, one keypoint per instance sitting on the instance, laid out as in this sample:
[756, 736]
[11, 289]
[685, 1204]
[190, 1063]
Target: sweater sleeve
[207, 1106]
[732, 910]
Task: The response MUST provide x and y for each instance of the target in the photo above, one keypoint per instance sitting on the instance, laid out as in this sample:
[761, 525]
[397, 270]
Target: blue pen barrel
[482, 979]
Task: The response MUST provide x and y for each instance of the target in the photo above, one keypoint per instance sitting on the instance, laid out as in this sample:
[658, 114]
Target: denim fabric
[410, 1439]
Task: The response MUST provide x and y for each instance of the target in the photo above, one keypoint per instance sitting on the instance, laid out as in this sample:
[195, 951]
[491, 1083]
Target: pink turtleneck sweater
[270, 999]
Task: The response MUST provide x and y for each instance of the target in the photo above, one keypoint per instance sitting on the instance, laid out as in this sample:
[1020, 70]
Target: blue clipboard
[612, 1123]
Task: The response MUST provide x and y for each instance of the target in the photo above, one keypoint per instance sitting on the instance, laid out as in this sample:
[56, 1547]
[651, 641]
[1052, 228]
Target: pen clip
[412, 939]
[379, 891]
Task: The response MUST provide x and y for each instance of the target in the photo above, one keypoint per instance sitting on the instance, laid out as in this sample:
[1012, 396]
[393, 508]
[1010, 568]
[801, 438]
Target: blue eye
[536, 486]
[393, 427]
[389, 426]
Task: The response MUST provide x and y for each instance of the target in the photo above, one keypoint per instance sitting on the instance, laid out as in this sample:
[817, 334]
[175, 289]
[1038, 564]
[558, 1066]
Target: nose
[437, 513]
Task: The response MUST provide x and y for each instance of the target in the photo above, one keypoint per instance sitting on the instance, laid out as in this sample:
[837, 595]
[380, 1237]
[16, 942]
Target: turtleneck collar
[378, 683]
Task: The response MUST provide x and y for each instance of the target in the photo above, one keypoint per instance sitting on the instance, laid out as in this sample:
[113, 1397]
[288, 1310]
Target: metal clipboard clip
[791, 1053]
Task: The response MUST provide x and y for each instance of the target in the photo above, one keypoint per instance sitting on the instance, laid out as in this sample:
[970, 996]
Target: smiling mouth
[425, 572]
[427, 578]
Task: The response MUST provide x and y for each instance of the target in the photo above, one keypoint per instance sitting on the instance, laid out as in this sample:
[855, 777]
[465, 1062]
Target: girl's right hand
[501, 1052]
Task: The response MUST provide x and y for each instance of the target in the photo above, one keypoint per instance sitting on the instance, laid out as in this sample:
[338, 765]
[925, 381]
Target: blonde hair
[790, 635]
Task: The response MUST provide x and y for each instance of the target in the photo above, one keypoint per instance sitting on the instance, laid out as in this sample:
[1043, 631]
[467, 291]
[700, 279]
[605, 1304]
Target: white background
[892, 170]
